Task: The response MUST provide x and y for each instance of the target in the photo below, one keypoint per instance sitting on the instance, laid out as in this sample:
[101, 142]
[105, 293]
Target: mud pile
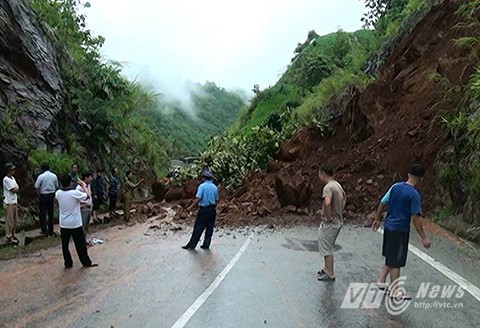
[382, 129]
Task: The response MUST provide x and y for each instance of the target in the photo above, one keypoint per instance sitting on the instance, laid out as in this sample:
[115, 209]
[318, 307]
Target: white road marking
[455, 277]
[218, 280]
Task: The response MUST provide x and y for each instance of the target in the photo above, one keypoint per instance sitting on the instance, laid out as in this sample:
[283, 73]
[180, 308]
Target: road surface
[146, 280]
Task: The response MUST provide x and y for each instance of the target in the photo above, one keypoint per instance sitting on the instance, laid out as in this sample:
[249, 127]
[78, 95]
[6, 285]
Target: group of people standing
[79, 199]
[404, 206]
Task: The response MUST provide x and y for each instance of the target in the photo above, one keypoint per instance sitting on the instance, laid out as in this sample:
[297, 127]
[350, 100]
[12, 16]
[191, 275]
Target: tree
[377, 9]
[341, 48]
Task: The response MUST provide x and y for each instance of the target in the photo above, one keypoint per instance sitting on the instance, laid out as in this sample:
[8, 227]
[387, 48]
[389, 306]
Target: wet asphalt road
[149, 281]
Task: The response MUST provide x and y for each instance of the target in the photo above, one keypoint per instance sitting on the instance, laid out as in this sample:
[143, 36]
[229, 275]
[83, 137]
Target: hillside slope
[394, 121]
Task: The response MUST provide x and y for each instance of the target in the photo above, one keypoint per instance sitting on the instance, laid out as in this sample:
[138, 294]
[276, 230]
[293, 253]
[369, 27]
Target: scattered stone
[369, 182]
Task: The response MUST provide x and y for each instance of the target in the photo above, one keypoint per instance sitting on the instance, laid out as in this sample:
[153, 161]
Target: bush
[59, 163]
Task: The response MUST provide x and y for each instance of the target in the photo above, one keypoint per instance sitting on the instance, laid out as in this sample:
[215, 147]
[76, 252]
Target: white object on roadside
[96, 241]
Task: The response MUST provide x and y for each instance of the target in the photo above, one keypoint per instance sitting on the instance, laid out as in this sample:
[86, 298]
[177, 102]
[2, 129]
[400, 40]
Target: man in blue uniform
[404, 206]
[206, 199]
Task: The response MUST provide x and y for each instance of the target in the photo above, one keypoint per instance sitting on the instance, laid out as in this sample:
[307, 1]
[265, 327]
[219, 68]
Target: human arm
[417, 218]
[194, 204]
[418, 224]
[85, 189]
[38, 183]
[327, 206]
[198, 197]
[378, 216]
[11, 185]
[135, 186]
[381, 208]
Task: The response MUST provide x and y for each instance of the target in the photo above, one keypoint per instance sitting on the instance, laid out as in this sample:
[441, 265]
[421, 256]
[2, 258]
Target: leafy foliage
[118, 120]
[231, 155]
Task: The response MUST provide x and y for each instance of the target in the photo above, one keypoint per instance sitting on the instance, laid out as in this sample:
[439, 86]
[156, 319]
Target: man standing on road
[334, 200]
[86, 206]
[99, 195]
[128, 189]
[69, 202]
[404, 205]
[46, 185]
[113, 191]
[206, 199]
[10, 191]
[74, 175]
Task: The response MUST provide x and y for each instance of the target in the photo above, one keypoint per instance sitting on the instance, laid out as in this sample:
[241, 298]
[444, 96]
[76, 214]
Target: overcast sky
[233, 43]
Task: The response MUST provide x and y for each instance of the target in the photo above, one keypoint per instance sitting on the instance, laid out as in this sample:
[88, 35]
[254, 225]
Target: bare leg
[383, 274]
[394, 275]
[329, 267]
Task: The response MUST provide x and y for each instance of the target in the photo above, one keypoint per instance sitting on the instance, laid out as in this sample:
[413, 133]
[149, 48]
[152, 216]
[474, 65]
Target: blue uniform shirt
[403, 202]
[207, 193]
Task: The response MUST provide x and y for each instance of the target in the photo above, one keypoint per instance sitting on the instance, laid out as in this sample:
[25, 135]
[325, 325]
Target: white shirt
[69, 205]
[47, 183]
[89, 200]
[8, 185]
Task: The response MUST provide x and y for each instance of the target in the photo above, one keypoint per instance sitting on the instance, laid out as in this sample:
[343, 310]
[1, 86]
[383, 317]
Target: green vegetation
[187, 134]
[118, 120]
[461, 170]
[321, 68]
[444, 213]
[58, 162]
[231, 156]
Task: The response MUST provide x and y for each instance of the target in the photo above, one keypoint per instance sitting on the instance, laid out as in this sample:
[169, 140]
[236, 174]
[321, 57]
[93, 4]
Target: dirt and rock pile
[381, 130]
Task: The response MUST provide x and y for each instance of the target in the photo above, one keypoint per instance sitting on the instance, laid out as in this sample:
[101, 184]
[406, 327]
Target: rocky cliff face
[30, 86]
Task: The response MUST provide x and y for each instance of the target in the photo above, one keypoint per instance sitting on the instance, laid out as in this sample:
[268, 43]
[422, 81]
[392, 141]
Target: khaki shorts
[327, 235]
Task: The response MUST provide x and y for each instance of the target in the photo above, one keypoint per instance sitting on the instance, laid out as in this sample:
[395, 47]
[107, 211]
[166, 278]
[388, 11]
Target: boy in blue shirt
[404, 205]
[206, 199]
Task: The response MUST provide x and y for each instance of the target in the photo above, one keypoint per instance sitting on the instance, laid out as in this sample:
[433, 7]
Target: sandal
[382, 286]
[325, 277]
[401, 297]
[320, 272]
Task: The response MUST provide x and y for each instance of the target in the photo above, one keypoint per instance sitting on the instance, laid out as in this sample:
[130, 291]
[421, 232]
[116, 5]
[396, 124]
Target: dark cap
[9, 167]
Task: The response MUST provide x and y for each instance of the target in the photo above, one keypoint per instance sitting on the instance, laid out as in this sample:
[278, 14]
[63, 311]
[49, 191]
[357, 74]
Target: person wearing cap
[46, 185]
[206, 199]
[10, 201]
[404, 205]
[128, 189]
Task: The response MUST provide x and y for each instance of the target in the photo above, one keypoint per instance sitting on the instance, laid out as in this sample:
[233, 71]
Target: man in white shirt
[46, 185]
[69, 201]
[10, 191]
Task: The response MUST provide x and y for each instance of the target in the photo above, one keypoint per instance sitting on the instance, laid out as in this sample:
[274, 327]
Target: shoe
[204, 247]
[188, 247]
[93, 265]
[13, 241]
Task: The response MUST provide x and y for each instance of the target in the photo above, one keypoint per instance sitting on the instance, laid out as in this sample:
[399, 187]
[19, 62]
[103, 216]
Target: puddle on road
[305, 245]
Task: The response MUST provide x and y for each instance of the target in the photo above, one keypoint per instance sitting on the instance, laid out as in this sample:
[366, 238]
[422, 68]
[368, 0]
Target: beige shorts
[327, 235]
